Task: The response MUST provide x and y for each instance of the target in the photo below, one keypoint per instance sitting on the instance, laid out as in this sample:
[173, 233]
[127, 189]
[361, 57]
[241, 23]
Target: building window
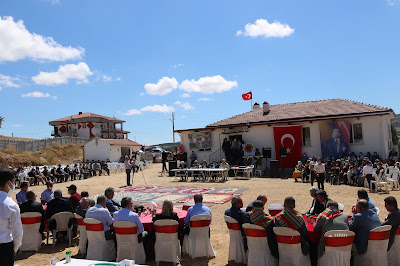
[84, 125]
[96, 125]
[69, 128]
[306, 136]
[356, 135]
[111, 126]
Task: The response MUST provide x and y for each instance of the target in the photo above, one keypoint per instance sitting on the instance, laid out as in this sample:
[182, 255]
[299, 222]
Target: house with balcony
[89, 125]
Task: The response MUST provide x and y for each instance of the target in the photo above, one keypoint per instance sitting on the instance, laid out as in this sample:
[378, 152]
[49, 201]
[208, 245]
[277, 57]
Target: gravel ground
[275, 189]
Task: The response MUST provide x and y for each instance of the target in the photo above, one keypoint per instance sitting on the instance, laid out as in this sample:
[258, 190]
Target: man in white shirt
[367, 173]
[10, 219]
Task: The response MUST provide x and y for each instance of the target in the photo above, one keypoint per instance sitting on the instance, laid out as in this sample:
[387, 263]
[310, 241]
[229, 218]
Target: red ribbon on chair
[233, 226]
[166, 229]
[288, 239]
[379, 235]
[31, 220]
[200, 223]
[255, 233]
[94, 227]
[398, 231]
[125, 230]
[79, 221]
[339, 241]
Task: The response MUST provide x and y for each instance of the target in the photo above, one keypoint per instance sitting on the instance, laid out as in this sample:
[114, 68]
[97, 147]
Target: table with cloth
[147, 220]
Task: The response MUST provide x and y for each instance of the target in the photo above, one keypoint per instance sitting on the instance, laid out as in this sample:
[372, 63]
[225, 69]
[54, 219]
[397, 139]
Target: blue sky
[141, 60]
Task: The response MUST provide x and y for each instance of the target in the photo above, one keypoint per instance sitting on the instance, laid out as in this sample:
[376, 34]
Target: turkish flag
[247, 96]
[289, 138]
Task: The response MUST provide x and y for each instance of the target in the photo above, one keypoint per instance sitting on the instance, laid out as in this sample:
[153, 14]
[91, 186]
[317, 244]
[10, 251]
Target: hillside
[14, 138]
[52, 155]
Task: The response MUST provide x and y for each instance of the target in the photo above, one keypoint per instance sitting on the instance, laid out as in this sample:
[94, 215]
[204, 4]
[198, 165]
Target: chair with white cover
[236, 246]
[289, 247]
[338, 245]
[393, 178]
[394, 251]
[128, 246]
[257, 242]
[197, 243]
[82, 234]
[32, 239]
[62, 222]
[98, 247]
[167, 246]
[376, 254]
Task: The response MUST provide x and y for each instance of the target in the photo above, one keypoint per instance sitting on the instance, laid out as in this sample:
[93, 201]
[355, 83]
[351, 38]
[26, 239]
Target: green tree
[395, 137]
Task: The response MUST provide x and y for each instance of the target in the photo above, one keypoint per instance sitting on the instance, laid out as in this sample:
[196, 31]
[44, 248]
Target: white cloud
[208, 85]
[17, 43]
[186, 106]
[163, 86]
[80, 72]
[185, 95]
[18, 125]
[7, 81]
[106, 78]
[142, 93]
[392, 2]
[204, 99]
[151, 108]
[177, 65]
[265, 29]
[132, 112]
[38, 94]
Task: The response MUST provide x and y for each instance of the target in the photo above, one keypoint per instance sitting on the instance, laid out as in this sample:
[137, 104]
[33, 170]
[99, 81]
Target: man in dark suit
[316, 206]
[336, 146]
[32, 206]
[362, 222]
[392, 219]
[236, 213]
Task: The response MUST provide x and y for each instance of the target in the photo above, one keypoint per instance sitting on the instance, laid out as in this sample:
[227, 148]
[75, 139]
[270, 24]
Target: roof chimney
[256, 106]
[80, 113]
[265, 108]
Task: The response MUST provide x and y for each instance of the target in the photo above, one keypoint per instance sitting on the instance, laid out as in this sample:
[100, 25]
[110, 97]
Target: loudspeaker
[172, 165]
[274, 168]
[282, 152]
[266, 153]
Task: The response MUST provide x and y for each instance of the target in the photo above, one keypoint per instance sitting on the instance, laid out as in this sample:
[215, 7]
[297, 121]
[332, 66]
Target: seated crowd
[61, 174]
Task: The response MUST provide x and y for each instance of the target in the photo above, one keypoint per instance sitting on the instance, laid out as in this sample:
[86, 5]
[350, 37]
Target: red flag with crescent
[288, 138]
[247, 96]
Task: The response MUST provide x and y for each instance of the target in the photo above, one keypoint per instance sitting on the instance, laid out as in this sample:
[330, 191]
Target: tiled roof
[121, 142]
[86, 115]
[323, 109]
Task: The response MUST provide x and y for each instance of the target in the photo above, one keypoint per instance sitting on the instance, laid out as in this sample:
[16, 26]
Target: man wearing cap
[48, 194]
[75, 197]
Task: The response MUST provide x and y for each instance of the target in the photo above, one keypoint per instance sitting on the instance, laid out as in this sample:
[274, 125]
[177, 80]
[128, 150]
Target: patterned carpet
[144, 195]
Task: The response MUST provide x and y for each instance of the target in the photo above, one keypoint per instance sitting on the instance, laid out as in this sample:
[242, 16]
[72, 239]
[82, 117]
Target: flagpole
[251, 102]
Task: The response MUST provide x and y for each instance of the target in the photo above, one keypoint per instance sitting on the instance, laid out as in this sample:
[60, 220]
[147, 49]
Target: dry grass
[275, 189]
[51, 155]
[14, 138]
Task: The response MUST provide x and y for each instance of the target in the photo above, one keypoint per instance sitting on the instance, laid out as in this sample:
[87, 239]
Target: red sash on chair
[94, 227]
[166, 229]
[233, 226]
[339, 241]
[288, 239]
[125, 230]
[379, 235]
[200, 223]
[31, 220]
[398, 231]
[255, 233]
[79, 221]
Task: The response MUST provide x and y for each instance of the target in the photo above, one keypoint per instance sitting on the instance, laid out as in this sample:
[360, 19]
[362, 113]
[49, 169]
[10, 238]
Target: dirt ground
[275, 189]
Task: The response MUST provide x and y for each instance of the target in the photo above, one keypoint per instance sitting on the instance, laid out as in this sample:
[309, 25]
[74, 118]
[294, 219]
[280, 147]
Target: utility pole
[173, 127]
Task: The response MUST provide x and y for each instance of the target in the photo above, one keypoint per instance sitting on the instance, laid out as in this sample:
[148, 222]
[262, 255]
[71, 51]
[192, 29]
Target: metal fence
[40, 144]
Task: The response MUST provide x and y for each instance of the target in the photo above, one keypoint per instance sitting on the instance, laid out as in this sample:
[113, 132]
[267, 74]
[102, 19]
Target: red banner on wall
[288, 138]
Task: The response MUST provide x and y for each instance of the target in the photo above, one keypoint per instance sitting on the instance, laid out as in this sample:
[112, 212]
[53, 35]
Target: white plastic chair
[257, 242]
[377, 248]
[82, 234]
[393, 178]
[62, 221]
[167, 246]
[98, 247]
[198, 243]
[379, 183]
[340, 207]
[32, 239]
[236, 246]
[394, 251]
[338, 245]
[128, 246]
[289, 246]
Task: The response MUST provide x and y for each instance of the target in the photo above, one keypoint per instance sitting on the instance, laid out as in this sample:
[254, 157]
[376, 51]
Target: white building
[369, 126]
[110, 149]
